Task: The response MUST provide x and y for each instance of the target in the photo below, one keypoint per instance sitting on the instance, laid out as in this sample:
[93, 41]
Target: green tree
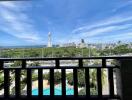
[57, 77]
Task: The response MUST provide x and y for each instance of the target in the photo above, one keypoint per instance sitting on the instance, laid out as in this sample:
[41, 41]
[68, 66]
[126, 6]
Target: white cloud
[113, 38]
[106, 22]
[16, 5]
[8, 4]
[17, 23]
[98, 31]
[105, 30]
[107, 27]
[120, 6]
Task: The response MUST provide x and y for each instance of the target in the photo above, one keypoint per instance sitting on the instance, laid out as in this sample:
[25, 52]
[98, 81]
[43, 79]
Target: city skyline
[68, 21]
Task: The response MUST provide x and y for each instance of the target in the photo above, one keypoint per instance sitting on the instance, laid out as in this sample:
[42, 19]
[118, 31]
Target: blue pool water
[57, 91]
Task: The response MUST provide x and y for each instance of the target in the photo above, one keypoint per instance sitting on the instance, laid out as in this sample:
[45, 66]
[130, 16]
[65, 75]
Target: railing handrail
[67, 58]
[57, 66]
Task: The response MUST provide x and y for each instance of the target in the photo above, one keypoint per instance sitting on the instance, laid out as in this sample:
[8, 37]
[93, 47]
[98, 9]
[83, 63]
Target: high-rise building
[82, 41]
[82, 44]
[49, 40]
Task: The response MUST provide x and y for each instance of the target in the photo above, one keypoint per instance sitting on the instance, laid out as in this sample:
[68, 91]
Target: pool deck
[35, 84]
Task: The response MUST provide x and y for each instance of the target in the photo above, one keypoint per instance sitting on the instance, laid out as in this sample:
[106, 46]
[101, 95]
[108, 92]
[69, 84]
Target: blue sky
[28, 23]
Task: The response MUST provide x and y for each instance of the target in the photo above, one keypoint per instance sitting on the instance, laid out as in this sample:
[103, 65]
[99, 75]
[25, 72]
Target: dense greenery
[57, 77]
[69, 78]
[64, 51]
[118, 50]
[47, 52]
[34, 77]
[11, 78]
[81, 78]
[93, 91]
[16, 64]
[1, 79]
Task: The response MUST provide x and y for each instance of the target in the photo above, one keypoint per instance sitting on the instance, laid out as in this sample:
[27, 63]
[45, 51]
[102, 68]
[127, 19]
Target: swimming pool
[57, 91]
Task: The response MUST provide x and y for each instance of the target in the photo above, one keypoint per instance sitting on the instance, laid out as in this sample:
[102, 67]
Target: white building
[72, 44]
[49, 40]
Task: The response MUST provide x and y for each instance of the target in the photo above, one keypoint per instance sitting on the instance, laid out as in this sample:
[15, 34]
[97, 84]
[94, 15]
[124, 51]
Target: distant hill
[30, 46]
[33, 46]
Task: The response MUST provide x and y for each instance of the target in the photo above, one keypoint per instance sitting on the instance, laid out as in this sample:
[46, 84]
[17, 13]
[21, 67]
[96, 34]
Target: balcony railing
[99, 96]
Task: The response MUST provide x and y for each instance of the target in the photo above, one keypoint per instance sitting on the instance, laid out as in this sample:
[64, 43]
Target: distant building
[68, 45]
[130, 45]
[55, 46]
[82, 44]
[106, 45]
[102, 46]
